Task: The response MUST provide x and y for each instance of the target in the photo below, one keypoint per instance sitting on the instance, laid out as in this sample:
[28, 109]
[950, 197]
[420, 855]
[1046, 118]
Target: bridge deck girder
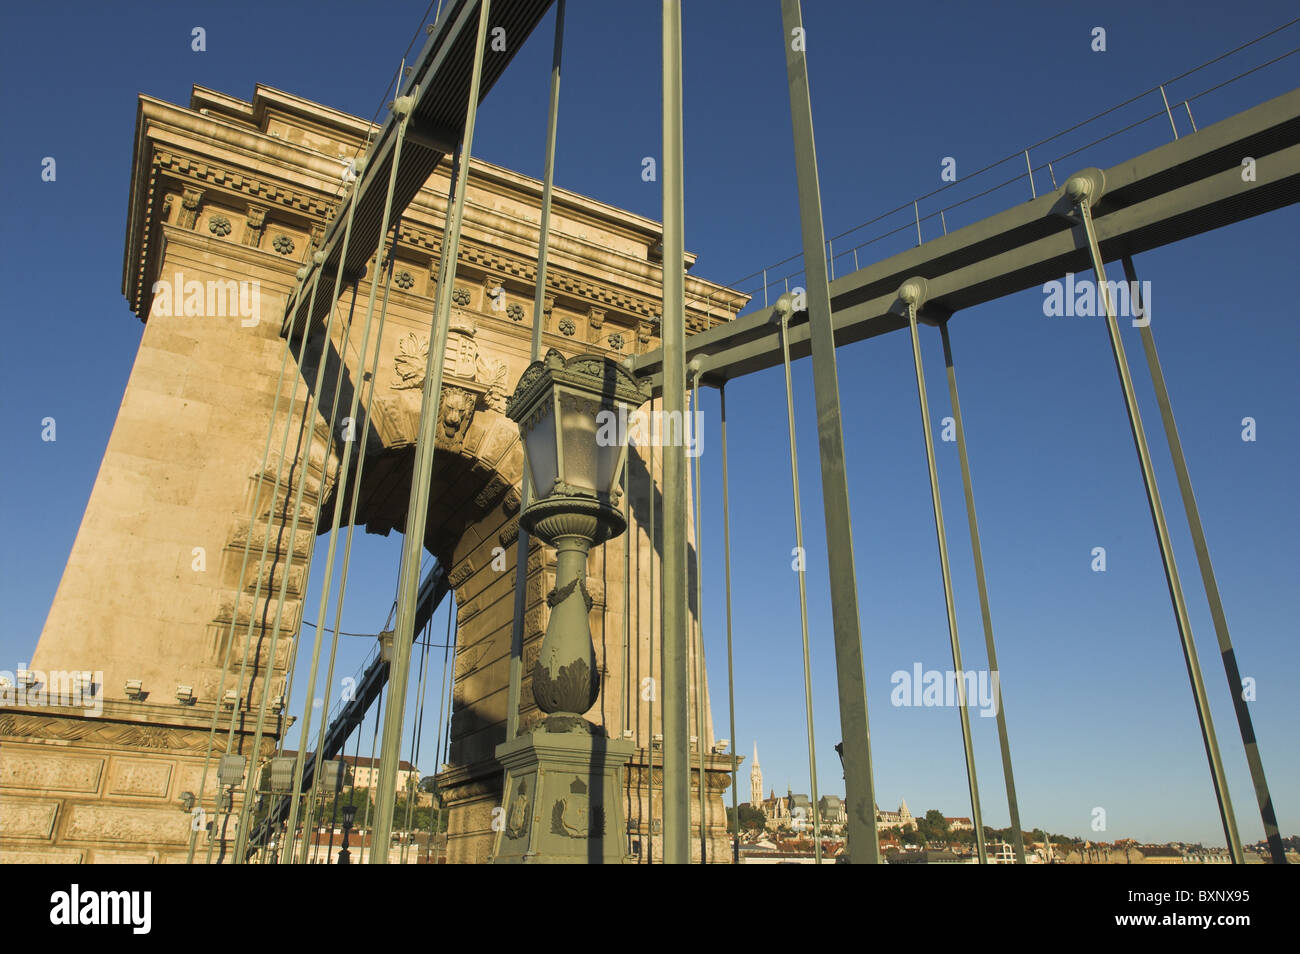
[1177, 190]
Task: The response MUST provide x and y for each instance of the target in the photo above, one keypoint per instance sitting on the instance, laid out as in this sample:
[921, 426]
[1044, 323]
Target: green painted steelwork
[534, 354]
[676, 615]
[422, 476]
[1208, 579]
[731, 673]
[439, 86]
[977, 551]
[911, 294]
[801, 555]
[234, 617]
[1172, 192]
[1083, 189]
[688, 428]
[864, 842]
[309, 426]
[337, 517]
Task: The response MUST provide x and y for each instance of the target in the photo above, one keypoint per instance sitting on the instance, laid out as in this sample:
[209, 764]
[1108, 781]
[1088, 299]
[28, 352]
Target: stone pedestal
[564, 799]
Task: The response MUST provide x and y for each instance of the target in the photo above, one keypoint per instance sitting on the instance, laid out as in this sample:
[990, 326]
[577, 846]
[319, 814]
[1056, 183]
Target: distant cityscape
[779, 829]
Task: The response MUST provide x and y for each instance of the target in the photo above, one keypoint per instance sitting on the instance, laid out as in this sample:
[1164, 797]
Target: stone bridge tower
[225, 194]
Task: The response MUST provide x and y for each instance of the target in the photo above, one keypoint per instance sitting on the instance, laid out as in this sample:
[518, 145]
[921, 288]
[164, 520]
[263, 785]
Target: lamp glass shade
[349, 814]
[581, 452]
[610, 454]
[572, 415]
[539, 440]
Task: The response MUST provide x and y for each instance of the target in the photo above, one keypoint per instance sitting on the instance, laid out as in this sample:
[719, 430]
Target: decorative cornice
[222, 143]
[87, 731]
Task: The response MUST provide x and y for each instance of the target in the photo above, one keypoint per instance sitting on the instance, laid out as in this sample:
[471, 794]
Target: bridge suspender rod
[731, 675]
[535, 352]
[676, 611]
[863, 839]
[309, 424]
[1226, 651]
[334, 812]
[361, 462]
[977, 551]
[422, 694]
[435, 812]
[911, 294]
[1080, 189]
[255, 761]
[688, 427]
[319, 258]
[374, 744]
[801, 558]
[624, 717]
[401, 107]
[422, 474]
[356, 759]
[361, 453]
[243, 568]
[287, 694]
[655, 612]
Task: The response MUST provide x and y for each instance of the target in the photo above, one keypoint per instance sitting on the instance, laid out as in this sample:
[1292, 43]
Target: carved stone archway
[228, 199]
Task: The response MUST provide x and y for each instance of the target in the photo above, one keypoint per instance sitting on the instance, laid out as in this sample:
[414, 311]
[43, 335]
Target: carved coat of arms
[517, 816]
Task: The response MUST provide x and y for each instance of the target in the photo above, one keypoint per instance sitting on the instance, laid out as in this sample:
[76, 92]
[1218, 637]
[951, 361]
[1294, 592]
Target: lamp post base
[563, 799]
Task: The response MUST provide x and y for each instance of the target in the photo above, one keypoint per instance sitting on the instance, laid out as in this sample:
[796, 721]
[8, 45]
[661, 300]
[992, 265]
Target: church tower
[756, 781]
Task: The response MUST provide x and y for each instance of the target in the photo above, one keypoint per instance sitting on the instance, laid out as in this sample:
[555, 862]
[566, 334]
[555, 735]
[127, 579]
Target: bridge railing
[1217, 88]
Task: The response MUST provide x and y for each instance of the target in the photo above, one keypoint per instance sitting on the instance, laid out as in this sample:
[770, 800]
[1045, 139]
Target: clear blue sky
[1098, 703]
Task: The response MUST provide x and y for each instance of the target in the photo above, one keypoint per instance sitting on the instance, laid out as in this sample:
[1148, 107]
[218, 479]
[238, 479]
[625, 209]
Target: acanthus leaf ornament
[493, 374]
[410, 362]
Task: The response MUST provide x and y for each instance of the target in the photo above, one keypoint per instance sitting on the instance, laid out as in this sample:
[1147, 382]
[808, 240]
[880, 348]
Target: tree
[426, 785]
[934, 827]
[751, 818]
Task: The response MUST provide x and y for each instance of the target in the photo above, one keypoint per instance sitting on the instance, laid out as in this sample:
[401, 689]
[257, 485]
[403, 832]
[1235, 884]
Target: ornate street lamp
[572, 416]
[569, 415]
[349, 815]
